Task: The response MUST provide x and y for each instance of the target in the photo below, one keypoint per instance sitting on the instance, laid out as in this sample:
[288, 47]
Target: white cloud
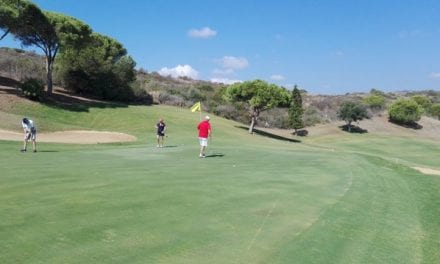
[180, 71]
[435, 75]
[225, 80]
[410, 33]
[205, 32]
[277, 77]
[230, 62]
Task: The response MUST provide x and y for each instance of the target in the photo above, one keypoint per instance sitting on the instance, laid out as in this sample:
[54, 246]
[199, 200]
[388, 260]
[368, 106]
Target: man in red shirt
[204, 128]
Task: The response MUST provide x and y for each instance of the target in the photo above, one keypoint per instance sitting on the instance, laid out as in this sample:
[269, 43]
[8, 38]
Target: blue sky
[327, 47]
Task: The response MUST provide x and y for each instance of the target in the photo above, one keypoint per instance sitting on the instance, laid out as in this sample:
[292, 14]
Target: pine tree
[296, 110]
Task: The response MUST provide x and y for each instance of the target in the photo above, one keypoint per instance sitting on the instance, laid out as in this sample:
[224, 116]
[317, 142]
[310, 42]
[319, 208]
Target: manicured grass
[253, 200]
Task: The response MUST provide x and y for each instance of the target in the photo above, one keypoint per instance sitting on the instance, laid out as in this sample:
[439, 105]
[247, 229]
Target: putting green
[254, 199]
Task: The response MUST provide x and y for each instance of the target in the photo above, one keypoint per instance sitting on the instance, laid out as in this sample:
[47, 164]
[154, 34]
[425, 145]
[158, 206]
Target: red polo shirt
[204, 127]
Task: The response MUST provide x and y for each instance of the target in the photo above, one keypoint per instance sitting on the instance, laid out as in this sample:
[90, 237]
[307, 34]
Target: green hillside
[348, 198]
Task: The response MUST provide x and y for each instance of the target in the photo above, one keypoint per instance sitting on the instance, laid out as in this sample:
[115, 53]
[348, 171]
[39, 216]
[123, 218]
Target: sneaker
[23, 150]
[202, 156]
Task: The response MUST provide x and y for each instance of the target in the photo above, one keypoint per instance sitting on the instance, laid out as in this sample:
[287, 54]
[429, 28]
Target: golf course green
[351, 198]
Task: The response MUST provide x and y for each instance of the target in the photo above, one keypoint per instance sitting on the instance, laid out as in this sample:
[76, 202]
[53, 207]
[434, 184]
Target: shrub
[423, 101]
[435, 110]
[405, 111]
[32, 88]
[376, 102]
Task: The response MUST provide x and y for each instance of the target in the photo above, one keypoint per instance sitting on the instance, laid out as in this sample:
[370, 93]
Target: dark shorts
[31, 134]
[159, 134]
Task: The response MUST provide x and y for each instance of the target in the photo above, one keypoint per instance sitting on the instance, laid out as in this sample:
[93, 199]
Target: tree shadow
[5, 81]
[68, 101]
[301, 133]
[353, 129]
[270, 135]
[412, 125]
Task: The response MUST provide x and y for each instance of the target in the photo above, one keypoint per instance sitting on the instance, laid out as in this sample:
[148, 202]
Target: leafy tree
[423, 101]
[296, 110]
[352, 112]
[47, 30]
[405, 111]
[435, 110]
[8, 17]
[258, 95]
[101, 68]
[376, 102]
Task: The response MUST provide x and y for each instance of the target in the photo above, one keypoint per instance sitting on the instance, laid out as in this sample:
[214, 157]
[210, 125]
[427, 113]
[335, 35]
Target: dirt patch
[428, 171]
[72, 137]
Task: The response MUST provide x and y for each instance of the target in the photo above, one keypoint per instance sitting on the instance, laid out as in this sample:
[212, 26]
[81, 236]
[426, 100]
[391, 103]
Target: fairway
[254, 199]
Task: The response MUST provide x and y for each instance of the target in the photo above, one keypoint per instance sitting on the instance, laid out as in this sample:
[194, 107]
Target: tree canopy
[352, 112]
[101, 68]
[258, 95]
[46, 30]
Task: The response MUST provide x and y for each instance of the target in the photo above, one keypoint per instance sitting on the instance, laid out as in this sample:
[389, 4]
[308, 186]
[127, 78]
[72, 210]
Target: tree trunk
[251, 127]
[349, 127]
[49, 66]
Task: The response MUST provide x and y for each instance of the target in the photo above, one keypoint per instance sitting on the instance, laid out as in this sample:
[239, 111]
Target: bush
[376, 102]
[435, 111]
[32, 88]
[423, 101]
[405, 111]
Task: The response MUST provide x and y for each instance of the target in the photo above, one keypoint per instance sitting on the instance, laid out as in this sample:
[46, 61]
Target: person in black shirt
[161, 127]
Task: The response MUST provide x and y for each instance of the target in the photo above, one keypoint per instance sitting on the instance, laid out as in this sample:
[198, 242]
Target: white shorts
[203, 142]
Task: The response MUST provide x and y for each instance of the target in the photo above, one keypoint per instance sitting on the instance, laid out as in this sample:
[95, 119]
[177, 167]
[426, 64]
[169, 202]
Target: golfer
[161, 127]
[30, 133]
[204, 128]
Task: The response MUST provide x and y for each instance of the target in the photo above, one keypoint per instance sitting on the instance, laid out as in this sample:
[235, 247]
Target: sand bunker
[428, 171]
[72, 137]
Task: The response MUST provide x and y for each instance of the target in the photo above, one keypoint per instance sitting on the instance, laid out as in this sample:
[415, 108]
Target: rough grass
[255, 199]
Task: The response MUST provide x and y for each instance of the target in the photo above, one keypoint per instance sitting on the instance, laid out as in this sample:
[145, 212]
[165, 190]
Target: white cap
[207, 117]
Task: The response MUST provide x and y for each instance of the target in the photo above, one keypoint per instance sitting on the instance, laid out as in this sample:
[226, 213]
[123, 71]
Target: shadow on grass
[353, 129]
[47, 151]
[215, 155]
[412, 125]
[270, 135]
[67, 101]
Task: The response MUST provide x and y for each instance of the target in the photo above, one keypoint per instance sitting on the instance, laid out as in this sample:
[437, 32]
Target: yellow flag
[196, 107]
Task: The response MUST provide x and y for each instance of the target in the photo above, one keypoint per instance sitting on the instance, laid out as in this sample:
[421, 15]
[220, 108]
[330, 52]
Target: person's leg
[161, 140]
[34, 145]
[158, 140]
[24, 145]
[26, 137]
[203, 144]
